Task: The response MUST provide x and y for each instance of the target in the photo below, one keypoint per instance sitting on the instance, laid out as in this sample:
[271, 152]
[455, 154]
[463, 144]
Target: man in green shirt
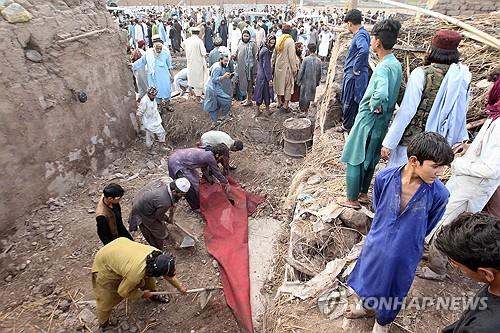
[362, 149]
[126, 269]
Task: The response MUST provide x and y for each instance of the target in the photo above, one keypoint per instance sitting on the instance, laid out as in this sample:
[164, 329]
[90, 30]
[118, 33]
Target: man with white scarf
[158, 65]
[436, 100]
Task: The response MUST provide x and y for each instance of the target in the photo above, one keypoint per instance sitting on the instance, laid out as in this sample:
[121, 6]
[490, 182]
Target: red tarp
[226, 237]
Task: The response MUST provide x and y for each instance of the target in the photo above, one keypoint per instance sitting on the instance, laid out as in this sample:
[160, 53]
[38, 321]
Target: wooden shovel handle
[189, 291]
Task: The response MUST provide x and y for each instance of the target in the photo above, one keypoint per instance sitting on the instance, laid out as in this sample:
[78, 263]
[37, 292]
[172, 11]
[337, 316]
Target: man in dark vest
[109, 215]
[436, 100]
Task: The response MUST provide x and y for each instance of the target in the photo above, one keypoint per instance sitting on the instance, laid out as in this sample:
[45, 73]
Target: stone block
[15, 13]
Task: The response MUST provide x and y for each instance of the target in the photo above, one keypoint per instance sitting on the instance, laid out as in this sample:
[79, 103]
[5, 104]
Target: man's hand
[147, 294]
[226, 75]
[227, 187]
[385, 153]
[460, 149]
[182, 290]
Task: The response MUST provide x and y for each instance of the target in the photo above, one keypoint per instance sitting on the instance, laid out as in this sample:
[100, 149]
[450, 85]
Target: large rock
[15, 13]
[355, 219]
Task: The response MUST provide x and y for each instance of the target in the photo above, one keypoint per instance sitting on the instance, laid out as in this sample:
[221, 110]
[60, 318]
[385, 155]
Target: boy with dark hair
[472, 246]
[362, 148]
[408, 202]
[308, 78]
[355, 78]
[108, 214]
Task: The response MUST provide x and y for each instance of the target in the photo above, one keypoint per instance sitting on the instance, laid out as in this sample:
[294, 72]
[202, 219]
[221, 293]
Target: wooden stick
[186, 232]
[52, 315]
[190, 291]
[475, 33]
[84, 35]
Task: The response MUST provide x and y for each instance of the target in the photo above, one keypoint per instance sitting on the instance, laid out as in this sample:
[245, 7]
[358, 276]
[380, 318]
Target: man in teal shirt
[362, 149]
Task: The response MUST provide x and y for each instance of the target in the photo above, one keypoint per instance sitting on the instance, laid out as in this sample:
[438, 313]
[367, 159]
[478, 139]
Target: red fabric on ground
[226, 237]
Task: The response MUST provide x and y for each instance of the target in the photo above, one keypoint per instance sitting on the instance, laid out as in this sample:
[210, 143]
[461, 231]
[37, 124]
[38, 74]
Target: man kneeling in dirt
[213, 138]
[126, 269]
[150, 206]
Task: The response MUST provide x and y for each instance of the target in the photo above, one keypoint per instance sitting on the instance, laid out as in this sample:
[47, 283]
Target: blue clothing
[161, 77]
[395, 244]
[162, 32]
[215, 98]
[354, 86]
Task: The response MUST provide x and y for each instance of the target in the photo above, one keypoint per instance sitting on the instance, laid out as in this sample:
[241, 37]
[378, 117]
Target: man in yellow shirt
[126, 269]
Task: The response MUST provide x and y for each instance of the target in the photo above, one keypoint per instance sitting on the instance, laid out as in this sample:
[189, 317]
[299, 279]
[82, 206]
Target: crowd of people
[253, 59]
[232, 57]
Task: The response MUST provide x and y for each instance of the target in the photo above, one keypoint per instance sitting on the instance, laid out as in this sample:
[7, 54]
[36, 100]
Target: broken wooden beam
[81, 36]
[409, 48]
[474, 33]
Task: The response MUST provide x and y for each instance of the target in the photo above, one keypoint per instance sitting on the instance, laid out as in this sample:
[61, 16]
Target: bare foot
[357, 311]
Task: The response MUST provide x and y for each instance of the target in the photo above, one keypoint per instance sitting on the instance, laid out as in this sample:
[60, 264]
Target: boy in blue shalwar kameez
[408, 202]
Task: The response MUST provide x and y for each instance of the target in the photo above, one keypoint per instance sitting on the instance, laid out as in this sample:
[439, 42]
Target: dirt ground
[46, 264]
[45, 276]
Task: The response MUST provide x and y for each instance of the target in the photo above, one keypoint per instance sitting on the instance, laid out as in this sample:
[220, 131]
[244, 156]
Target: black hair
[472, 240]
[311, 47]
[168, 264]
[218, 150]
[113, 191]
[387, 32]
[238, 145]
[442, 56]
[430, 146]
[354, 16]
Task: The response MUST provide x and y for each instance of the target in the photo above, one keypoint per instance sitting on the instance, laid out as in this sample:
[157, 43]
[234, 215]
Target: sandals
[247, 103]
[344, 203]
[160, 299]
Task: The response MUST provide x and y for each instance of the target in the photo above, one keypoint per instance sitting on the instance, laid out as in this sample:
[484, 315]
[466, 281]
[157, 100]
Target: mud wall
[466, 7]
[49, 140]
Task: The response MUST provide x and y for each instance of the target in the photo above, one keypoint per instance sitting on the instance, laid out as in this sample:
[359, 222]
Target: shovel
[188, 240]
[204, 293]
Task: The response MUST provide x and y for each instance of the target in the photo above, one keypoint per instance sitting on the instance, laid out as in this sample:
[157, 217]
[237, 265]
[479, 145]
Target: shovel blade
[187, 242]
[204, 298]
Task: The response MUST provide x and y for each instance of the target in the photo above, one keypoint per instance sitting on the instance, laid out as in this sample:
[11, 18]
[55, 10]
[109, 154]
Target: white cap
[224, 51]
[182, 184]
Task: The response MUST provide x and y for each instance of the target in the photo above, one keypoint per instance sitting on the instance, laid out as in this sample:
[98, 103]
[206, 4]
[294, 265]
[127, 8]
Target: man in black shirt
[472, 245]
[109, 214]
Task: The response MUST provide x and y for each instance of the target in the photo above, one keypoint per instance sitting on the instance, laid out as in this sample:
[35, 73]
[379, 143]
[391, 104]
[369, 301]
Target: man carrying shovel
[150, 206]
[126, 269]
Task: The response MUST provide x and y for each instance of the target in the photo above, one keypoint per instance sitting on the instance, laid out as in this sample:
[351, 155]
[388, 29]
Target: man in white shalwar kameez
[196, 63]
[149, 118]
[234, 39]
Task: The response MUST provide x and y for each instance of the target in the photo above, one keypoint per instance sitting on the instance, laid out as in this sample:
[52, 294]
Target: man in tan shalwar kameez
[285, 66]
[196, 64]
